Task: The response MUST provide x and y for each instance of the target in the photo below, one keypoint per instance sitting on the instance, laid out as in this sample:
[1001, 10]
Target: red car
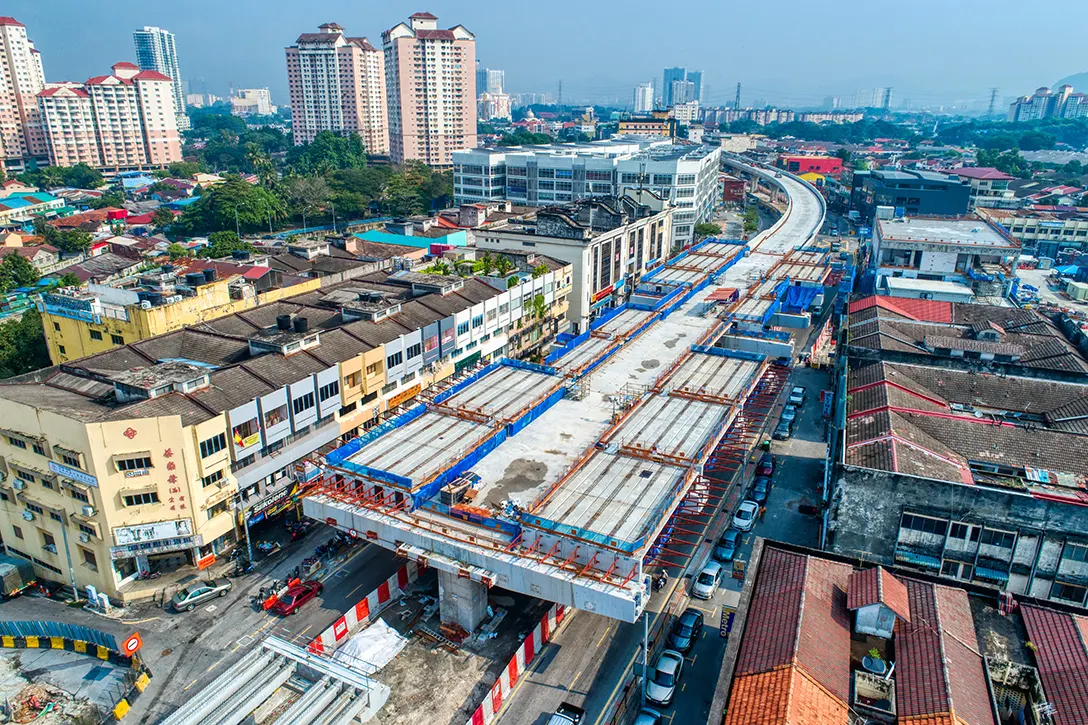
[293, 599]
[766, 465]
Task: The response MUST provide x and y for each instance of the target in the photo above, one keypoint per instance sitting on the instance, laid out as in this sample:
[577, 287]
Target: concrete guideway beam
[312, 702]
[256, 691]
[221, 689]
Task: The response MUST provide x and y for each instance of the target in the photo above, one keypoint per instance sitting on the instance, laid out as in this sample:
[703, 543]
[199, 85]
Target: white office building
[155, 50]
[644, 97]
[686, 176]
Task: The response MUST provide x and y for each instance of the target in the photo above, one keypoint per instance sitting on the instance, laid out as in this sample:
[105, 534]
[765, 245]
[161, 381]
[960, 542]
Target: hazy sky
[789, 52]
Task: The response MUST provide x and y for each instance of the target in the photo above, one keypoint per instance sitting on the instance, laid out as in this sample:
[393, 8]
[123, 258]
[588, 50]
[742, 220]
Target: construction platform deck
[619, 498]
[715, 377]
[753, 309]
[678, 276]
[625, 323]
[422, 448]
[801, 273]
[584, 355]
[679, 428]
[504, 393]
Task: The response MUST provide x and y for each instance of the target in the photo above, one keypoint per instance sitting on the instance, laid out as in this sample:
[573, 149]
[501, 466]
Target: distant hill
[1079, 81]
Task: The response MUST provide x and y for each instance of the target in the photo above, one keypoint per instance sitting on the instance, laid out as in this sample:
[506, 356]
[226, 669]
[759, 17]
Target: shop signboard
[128, 535]
[73, 473]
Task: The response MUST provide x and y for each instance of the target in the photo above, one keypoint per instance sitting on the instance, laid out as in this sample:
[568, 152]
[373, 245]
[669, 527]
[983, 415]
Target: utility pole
[993, 102]
[736, 101]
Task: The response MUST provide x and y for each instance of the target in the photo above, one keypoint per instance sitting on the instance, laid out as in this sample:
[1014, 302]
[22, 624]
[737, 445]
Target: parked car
[789, 414]
[686, 630]
[706, 582]
[666, 673]
[649, 716]
[766, 465]
[745, 517]
[567, 714]
[783, 431]
[189, 597]
[726, 548]
[797, 397]
[761, 489]
[293, 599]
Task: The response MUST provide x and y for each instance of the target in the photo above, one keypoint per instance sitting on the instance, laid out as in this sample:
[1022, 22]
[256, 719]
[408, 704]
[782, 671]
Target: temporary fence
[606, 318]
[570, 345]
[365, 610]
[518, 665]
[40, 628]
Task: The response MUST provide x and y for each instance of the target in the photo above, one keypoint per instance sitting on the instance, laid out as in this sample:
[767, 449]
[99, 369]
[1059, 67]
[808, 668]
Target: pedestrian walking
[762, 513]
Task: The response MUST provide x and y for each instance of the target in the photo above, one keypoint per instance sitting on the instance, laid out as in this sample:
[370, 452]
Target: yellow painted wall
[211, 302]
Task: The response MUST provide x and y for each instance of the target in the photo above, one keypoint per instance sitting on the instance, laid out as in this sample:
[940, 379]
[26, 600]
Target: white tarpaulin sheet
[371, 649]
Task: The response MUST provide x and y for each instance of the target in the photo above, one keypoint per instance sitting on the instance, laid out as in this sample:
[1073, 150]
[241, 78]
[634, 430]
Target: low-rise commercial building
[925, 193]
[989, 187]
[17, 209]
[1043, 232]
[157, 448]
[827, 165]
[686, 176]
[609, 243]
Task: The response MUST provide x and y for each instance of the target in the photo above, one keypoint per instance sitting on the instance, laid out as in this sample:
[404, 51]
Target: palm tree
[503, 265]
[440, 267]
[487, 263]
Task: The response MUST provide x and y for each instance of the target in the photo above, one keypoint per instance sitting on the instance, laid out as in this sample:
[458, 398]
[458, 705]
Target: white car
[789, 415]
[663, 678]
[745, 517]
[797, 397]
[706, 583]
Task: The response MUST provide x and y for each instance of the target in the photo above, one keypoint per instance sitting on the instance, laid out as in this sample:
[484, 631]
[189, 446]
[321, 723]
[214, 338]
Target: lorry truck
[16, 576]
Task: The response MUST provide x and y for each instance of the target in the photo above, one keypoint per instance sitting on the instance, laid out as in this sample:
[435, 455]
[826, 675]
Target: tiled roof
[987, 173]
[945, 342]
[785, 695]
[7, 20]
[1061, 655]
[422, 16]
[920, 310]
[435, 35]
[876, 585]
[125, 64]
[151, 75]
[938, 669]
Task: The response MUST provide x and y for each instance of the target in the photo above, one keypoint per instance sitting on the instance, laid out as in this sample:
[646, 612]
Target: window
[683, 179]
[18, 532]
[213, 445]
[79, 495]
[924, 524]
[220, 508]
[70, 460]
[275, 416]
[1075, 552]
[38, 448]
[373, 368]
[477, 321]
[303, 403]
[117, 340]
[352, 380]
[415, 350]
[96, 335]
[48, 540]
[35, 508]
[462, 328]
[56, 326]
[212, 478]
[665, 179]
[1068, 592]
[88, 530]
[1002, 539]
[133, 464]
[4, 496]
[141, 498]
[17, 442]
[88, 558]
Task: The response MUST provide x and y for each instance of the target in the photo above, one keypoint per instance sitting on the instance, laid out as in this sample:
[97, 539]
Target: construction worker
[762, 513]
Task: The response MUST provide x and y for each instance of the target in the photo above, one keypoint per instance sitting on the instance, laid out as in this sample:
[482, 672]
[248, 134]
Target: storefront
[145, 547]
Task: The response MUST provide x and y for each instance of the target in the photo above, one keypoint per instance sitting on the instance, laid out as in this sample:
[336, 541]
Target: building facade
[670, 75]
[337, 84]
[1043, 232]
[609, 243]
[431, 78]
[252, 102]
[491, 106]
[828, 165]
[155, 50]
[989, 187]
[925, 193]
[169, 442]
[122, 122]
[696, 79]
[1045, 103]
[644, 98]
[21, 79]
[685, 176]
[490, 80]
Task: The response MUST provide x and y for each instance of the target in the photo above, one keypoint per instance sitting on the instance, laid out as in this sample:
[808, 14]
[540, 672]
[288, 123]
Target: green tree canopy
[162, 217]
[110, 198]
[22, 345]
[707, 229]
[81, 176]
[17, 271]
[176, 251]
[524, 138]
[218, 205]
[221, 244]
[184, 169]
[327, 152]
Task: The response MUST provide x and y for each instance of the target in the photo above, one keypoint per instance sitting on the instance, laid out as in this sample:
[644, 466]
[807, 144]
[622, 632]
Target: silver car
[199, 592]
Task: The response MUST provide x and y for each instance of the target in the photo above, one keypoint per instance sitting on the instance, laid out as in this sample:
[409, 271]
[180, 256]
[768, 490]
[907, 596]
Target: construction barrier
[518, 665]
[365, 610]
[606, 318]
[570, 345]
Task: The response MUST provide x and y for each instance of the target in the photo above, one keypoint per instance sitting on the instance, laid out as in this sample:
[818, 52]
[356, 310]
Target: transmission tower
[887, 102]
[993, 102]
[736, 101]
[559, 102]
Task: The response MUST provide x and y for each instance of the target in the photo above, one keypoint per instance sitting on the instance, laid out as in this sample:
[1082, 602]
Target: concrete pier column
[461, 601]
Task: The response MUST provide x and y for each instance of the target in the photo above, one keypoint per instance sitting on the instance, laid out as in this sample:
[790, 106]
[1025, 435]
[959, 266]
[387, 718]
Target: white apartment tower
[155, 50]
[431, 75]
[123, 121]
[21, 79]
[337, 84]
[644, 97]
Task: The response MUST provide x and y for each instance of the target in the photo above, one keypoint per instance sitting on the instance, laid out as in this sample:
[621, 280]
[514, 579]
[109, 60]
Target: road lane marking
[186, 688]
[138, 621]
[303, 632]
[605, 635]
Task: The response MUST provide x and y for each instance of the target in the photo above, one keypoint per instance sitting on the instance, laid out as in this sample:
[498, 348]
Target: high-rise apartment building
[490, 80]
[337, 84]
[21, 79]
[696, 79]
[672, 74]
[644, 97]
[490, 106]
[155, 50]
[122, 121]
[252, 102]
[1045, 103]
[432, 90]
[680, 92]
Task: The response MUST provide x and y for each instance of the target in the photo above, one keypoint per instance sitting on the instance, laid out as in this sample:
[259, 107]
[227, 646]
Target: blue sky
[789, 52]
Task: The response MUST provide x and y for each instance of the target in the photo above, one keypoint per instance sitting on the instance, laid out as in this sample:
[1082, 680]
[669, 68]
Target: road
[187, 650]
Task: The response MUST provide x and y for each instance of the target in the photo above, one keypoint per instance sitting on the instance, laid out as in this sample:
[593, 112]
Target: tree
[326, 153]
[83, 176]
[22, 345]
[72, 241]
[176, 251]
[17, 271]
[305, 193]
[845, 154]
[67, 280]
[221, 244]
[401, 196]
[184, 169]
[524, 138]
[751, 220]
[540, 270]
[110, 198]
[512, 281]
[233, 201]
[503, 265]
[707, 229]
[440, 267]
[162, 217]
[487, 263]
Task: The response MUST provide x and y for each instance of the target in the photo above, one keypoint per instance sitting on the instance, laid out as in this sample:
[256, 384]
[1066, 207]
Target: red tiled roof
[102, 80]
[53, 91]
[7, 20]
[435, 35]
[422, 16]
[151, 75]
[918, 310]
[1061, 654]
[256, 272]
[125, 64]
[877, 586]
[786, 695]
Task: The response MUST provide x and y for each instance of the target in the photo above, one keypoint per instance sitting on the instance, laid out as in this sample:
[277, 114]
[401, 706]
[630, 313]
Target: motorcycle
[659, 582]
[145, 575]
[243, 567]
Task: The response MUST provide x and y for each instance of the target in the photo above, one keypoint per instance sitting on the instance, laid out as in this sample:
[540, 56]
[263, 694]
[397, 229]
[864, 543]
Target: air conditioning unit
[52, 549]
[19, 484]
[87, 510]
[28, 516]
[84, 538]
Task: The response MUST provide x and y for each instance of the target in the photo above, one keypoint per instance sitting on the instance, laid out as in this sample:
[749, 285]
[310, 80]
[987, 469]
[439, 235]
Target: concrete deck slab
[719, 377]
[422, 448]
[678, 427]
[504, 392]
[625, 323]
